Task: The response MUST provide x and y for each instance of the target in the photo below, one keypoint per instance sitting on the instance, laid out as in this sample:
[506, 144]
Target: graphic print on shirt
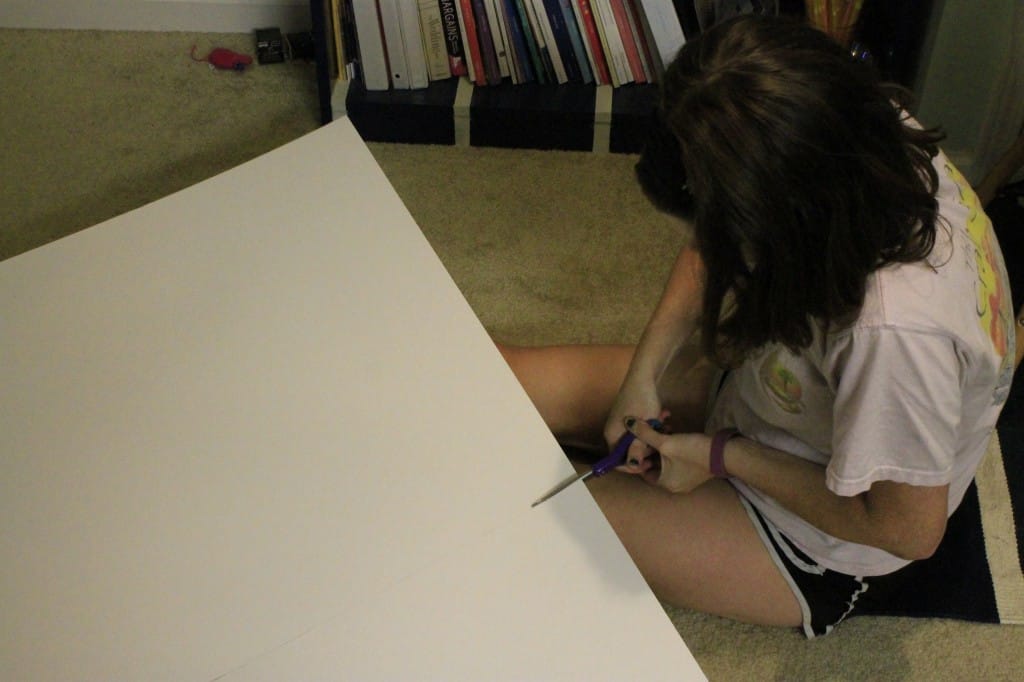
[993, 301]
[780, 383]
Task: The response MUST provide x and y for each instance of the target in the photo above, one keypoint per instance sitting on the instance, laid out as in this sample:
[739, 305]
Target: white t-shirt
[910, 392]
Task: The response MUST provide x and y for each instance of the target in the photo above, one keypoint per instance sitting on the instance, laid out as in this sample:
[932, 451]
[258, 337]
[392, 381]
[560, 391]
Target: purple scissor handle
[615, 458]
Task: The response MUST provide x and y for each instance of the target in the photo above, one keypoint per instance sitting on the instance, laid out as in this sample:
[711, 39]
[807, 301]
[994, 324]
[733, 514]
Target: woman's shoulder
[947, 292]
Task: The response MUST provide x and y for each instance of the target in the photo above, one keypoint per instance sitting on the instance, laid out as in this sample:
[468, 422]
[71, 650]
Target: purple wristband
[717, 458]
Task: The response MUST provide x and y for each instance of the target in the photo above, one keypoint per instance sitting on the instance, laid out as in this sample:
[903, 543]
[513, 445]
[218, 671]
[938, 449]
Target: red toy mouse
[223, 58]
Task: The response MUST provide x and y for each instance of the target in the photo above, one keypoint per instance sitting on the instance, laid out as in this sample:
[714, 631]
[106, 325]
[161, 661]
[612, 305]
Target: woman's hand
[676, 462]
[639, 400]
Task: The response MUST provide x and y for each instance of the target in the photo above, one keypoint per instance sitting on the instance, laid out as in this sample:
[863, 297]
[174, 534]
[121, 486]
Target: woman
[855, 337]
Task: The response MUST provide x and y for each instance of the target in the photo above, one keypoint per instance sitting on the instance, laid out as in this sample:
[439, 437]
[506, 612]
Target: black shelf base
[454, 112]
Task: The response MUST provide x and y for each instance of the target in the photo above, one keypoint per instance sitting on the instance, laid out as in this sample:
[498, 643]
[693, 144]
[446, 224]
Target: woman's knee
[572, 386]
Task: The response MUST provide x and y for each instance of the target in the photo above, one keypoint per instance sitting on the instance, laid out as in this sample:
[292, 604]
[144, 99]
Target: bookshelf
[572, 116]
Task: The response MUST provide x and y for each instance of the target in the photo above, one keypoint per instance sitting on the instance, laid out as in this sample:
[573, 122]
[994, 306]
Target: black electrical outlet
[269, 46]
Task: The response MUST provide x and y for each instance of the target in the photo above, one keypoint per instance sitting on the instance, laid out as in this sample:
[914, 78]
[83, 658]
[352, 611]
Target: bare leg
[573, 387]
[697, 551]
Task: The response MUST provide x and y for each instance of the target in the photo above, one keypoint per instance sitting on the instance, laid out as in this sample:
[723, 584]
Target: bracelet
[716, 459]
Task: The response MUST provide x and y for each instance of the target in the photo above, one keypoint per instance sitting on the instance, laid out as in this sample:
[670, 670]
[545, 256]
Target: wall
[973, 82]
[215, 16]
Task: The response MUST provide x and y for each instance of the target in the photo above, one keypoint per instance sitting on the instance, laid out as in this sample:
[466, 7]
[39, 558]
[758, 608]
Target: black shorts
[826, 597]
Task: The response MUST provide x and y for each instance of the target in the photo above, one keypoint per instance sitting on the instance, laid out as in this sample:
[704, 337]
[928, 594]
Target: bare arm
[675, 318]
[673, 322]
[904, 520]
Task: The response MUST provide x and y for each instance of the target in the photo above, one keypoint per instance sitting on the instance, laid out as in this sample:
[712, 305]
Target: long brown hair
[800, 171]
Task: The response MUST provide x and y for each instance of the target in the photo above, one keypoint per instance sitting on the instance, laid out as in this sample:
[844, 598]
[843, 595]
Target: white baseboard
[211, 16]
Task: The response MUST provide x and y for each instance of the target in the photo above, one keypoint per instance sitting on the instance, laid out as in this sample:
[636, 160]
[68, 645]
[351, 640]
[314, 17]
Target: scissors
[617, 457]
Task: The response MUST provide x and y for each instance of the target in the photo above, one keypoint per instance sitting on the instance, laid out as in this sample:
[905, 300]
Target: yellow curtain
[835, 17]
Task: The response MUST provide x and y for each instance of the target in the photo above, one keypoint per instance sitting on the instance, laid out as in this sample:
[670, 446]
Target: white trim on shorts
[805, 609]
[777, 540]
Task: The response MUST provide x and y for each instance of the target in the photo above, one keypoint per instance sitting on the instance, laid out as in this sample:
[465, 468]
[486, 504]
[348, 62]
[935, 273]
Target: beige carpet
[546, 246]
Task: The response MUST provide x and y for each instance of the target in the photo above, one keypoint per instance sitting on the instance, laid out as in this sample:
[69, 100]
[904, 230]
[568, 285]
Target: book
[611, 40]
[372, 57]
[539, 67]
[661, 22]
[412, 41]
[488, 54]
[636, 27]
[453, 37]
[549, 51]
[500, 38]
[523, 61]
[560, 37]
[391, 23]
[576, 40]
[433, 37]
[686, 10]
[644, 40]
[467, 24]
[348, 35]
[592, 41]
[628, 43]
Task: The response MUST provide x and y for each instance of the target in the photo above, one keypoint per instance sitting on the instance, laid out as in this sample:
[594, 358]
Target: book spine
[391, 24]
[432, 32]
[640, 38]
[412, 41]
[372, 58]
[514, 55]
[492, 73]
[499, 36]
[666, 32]
[576, 40]
[541, 41]
[612, 41]
[515, 30]
[626, 35]
[550, 51]
[560, 36]
[686, 12]
[348, 32]
[472, 43]
[453, 37]
[531, 41]
[593, 41]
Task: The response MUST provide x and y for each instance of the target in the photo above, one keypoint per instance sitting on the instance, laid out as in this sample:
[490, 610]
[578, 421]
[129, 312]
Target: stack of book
[408, 44]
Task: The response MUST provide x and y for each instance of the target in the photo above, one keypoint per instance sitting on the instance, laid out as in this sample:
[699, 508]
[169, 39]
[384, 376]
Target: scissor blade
[561, 486]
